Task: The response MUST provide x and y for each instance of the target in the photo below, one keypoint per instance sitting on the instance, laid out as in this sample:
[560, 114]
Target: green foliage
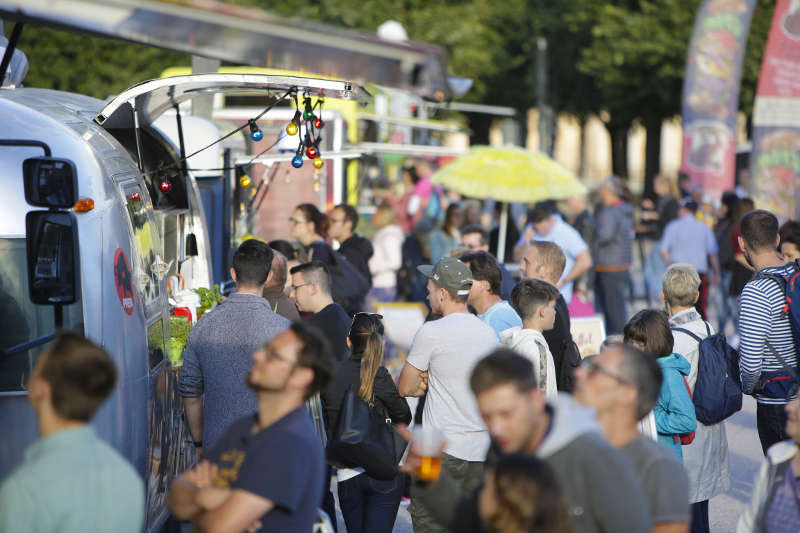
[208, 298]
[179, 327]
[89, 65]
[624, 56]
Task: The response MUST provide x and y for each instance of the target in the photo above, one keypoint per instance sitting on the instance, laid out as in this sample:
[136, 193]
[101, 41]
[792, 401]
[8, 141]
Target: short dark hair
[788, 228]
[503, 366]
[350, 214]
[284, 247]
[315, 272]
[251, 262]
[643, 373]
[529, 295]
[792, 238]
[484, 267]
[314, 354]
[474, 228]
[541, 211]
[81, 376]
[650, 328]
[759, 229]
[552, 256]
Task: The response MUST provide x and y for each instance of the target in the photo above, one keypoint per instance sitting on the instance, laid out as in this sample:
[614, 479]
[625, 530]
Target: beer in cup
[428, 444]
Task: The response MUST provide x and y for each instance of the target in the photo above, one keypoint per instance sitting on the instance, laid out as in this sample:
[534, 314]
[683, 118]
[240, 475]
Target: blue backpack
[784, 383]
[718, 390]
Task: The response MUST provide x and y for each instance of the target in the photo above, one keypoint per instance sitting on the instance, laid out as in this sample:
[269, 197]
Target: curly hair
[528, 497]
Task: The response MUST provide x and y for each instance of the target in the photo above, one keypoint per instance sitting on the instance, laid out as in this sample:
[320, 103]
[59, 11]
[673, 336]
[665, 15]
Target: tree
[89, 65]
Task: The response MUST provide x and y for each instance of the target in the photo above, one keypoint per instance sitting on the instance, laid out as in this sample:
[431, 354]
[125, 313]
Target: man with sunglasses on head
[622, 384]
[440, 359]
[267, 471]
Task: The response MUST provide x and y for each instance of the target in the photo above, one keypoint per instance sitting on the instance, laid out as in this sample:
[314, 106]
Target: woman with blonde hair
[367, 504]
[520, 494]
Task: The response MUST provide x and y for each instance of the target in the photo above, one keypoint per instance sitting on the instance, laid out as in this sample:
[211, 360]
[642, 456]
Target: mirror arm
[14, 142]
[28, 345]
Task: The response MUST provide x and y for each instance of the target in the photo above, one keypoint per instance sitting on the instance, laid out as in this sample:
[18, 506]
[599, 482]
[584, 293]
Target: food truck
[99, 210]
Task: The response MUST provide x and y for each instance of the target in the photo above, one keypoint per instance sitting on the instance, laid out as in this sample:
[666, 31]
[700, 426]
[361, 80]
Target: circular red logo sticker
[123, 280]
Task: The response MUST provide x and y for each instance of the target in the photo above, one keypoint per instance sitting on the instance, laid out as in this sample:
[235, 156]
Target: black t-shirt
[284, 463]
[334, 323]
[358, 250]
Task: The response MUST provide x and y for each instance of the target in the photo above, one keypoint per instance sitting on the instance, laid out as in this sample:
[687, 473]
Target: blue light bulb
[257, 135]
[297, 161]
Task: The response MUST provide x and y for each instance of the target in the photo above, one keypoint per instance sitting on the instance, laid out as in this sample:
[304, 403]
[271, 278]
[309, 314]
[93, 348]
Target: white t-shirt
[448, 349]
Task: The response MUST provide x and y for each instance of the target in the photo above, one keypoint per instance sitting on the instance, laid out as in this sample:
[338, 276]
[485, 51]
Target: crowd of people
[534, 436]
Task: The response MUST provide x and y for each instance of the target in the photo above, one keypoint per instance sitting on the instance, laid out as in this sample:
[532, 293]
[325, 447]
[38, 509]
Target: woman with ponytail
[310, 226]
[367, 505]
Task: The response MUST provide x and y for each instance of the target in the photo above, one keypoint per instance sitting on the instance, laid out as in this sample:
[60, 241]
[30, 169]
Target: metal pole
[12, 45]
[501, 234]
[545, 113]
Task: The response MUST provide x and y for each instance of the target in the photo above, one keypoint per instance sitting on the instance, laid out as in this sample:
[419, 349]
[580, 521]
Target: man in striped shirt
[762, 321]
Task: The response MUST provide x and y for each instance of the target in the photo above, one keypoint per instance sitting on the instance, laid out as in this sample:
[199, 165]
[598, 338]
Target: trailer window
[22, 320]
[146, 243]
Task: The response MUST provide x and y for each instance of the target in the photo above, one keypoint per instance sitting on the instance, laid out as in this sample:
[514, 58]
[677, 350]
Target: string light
[255, 132]
[318, 163]
[245, 181]
[312, 152]
[297, 161]
[318, 123]
[165, 186]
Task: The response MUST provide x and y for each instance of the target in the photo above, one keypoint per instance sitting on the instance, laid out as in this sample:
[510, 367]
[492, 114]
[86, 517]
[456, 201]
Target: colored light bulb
[318, 163]
[297, 161]
[255, 133]
[165, 186]
[135, 197]
[307, 115]
[245, 181]
[292, 128]
[319, 123]
[312, 152]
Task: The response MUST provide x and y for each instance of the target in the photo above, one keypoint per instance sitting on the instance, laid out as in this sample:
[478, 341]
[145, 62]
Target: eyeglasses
[295, 287]
[293, 220]
[338, 220]
[592, 368]
[273, 356]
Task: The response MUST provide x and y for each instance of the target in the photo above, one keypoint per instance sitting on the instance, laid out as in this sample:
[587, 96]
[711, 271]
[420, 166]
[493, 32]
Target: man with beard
[267, 471]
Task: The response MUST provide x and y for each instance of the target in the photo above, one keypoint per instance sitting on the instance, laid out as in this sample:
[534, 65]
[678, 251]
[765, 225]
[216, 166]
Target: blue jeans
[724, 304]
[611, 294]
[654, 269]
[369, 505]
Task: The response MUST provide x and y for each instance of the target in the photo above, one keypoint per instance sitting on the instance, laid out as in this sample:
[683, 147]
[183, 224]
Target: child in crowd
[534, 301]
[649, 330]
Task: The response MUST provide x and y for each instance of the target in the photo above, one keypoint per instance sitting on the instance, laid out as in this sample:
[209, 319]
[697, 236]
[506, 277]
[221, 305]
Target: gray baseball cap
[450, 274]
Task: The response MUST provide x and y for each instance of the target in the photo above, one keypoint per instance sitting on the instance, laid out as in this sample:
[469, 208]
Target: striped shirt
[761, 319]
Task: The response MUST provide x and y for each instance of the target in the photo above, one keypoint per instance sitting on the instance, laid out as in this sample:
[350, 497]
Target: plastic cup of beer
[428, 444]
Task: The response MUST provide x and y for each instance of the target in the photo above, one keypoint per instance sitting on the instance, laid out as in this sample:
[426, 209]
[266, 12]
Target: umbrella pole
[501, 235]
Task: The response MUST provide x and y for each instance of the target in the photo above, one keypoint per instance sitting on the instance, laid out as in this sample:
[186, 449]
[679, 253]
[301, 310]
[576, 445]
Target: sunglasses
[593, 368]
[368, 316]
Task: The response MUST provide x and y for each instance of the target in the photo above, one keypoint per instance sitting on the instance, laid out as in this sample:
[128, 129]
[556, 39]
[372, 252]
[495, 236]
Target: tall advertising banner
[775, 158]
[711, 93]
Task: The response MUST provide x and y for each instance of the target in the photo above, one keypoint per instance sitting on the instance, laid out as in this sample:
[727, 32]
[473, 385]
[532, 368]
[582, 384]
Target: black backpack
[348, 286]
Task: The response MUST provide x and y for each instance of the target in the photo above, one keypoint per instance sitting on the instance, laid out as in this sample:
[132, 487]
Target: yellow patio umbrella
[508, 174]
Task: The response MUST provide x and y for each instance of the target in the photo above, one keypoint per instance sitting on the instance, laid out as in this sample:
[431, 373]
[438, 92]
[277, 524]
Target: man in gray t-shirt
[622, 384]
[440, 361]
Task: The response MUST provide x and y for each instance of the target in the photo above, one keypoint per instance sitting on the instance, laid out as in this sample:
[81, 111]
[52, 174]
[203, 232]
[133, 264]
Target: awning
[152, 98]
[248, 36]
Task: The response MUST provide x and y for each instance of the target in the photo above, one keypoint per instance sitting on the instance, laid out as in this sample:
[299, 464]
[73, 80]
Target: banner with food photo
[775, 158]
[711, 92]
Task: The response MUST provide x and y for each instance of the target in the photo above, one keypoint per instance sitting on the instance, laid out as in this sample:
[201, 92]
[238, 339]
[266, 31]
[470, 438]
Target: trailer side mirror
[50, 182]
[52, 246]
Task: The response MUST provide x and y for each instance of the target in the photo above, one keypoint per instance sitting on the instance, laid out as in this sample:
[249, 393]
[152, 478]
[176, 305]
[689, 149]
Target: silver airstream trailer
[113, 192]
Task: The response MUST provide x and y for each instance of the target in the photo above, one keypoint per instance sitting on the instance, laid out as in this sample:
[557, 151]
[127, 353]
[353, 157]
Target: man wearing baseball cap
[440, 361]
